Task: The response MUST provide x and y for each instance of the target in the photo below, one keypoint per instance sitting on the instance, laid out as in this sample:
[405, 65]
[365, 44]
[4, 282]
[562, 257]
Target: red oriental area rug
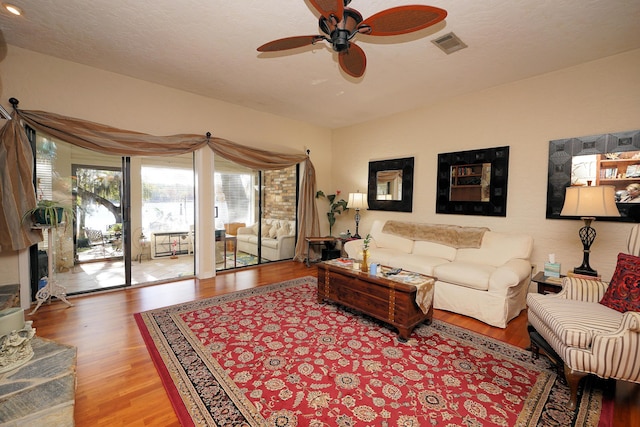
[274, 356]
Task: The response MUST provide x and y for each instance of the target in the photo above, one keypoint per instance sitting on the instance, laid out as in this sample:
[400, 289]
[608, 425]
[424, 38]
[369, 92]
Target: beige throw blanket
[449, 235]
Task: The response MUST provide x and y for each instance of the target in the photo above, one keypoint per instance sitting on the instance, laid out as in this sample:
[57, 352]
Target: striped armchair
[587, 337]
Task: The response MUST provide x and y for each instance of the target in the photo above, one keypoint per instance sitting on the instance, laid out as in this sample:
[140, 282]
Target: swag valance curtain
[17, 193]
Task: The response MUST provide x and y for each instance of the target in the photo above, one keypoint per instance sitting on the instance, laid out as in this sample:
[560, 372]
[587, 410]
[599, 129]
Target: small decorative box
[552, 269]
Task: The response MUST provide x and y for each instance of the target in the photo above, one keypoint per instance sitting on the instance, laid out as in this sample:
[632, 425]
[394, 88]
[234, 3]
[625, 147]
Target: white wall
[596, 97]
[42, 82]
[593, 98]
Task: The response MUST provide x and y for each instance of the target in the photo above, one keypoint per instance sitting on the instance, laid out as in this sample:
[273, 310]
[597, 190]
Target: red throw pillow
[623, 293]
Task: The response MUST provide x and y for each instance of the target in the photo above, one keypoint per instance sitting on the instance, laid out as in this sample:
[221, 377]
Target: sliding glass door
[134, 219]
[255, 215]
[88, 254]
[98, 228]
[164, 238]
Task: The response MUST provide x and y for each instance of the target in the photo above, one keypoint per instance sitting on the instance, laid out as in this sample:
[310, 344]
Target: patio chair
[96, 238]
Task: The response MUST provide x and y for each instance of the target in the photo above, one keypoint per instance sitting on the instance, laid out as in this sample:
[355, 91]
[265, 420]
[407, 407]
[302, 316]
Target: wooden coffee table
[391, 301]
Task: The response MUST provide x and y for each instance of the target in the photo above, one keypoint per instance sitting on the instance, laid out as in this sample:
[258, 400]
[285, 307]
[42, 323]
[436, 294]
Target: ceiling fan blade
[289, 43]
[329, 7]
[403, 19]
[353, 61]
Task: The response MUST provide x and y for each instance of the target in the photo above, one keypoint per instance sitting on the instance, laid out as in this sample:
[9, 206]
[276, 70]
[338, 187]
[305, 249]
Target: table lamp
[357, 201]
[587, 203]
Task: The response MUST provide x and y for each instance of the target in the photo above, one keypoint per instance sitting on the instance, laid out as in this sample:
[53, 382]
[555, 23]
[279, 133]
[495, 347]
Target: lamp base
[587, 236]
[357, 236]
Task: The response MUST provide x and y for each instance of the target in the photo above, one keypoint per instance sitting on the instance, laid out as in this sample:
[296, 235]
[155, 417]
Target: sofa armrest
[508, 275]
[353, 248]
[589, 290]
[245, 230]
[286, 246]
[285, 238]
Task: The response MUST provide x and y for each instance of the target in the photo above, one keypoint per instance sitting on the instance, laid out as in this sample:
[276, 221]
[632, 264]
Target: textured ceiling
[208, 47]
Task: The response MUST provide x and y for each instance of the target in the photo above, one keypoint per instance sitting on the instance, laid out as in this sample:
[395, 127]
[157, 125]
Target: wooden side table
[224, 238]
[316, 241]
[546, 284]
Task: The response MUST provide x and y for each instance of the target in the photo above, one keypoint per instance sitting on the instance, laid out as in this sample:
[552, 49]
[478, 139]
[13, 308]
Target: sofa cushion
[424, 248]
[273, 231]
[574, 323]
[389, 241]
[623, 293]
[287, 228]
[382, 256]
[467, 274]
[422, 264]
[249, 238]
[498, 248]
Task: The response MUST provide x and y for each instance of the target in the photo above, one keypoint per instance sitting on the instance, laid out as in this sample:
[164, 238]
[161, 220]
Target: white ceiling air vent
[449, 43]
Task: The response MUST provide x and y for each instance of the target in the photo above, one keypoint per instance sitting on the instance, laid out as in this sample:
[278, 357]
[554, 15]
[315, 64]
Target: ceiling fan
[341, 24]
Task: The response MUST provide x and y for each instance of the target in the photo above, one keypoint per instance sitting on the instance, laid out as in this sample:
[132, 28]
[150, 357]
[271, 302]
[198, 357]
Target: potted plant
[115, 229]
[335, 207]
[365, 253]
[50, 212]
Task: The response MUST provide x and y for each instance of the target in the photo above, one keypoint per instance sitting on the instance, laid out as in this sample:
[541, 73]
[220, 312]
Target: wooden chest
[390, 301]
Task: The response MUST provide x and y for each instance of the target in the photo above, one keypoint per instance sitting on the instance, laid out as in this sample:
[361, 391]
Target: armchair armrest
[614, 354]
[582, 289]
[631, 321]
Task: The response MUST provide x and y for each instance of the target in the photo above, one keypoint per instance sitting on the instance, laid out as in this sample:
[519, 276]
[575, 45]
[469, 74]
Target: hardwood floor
[117, 381]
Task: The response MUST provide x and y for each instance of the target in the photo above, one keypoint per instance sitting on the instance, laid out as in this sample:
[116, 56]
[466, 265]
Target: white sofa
[479, 273]
[278, 239]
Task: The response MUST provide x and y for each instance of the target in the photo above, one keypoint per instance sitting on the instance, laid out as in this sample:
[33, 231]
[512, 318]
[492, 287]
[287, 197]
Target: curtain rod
[5, 114]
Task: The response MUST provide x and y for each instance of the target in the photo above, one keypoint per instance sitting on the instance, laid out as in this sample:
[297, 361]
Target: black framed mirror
[606, 159]
[473, 182]
[391, 185]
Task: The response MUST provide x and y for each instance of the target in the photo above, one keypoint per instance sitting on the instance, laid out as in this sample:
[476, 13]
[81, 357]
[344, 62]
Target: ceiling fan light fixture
[13, 9]
[326, 26]
[350, 20]
[449, 43]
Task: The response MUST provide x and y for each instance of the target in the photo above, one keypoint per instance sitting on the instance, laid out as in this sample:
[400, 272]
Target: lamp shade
[590, 201]
[357, 201]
